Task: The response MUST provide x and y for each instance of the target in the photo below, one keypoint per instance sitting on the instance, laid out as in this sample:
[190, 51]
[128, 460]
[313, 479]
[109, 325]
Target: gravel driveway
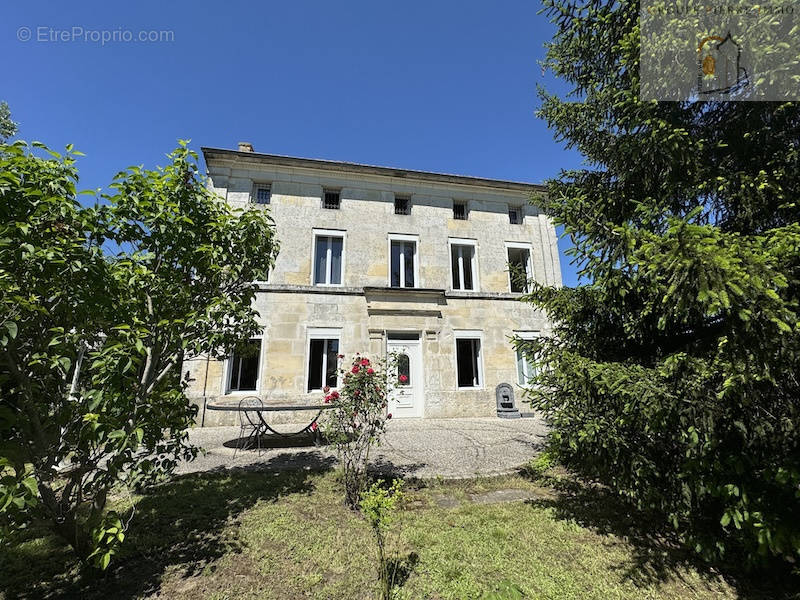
[423, 448]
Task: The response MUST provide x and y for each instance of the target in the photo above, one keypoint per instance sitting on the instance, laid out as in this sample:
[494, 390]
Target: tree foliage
[673, 376]
[98, 307]
[7, 127]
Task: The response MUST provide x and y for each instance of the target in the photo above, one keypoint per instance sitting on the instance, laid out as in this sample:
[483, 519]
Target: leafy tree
[673, 376]
[99, 307]
[7, 127]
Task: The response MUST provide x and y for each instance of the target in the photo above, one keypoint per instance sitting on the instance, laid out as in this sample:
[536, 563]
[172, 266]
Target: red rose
[364, 362]
[313, 427]
[403, 378]
[328, 399]
[370, 371]
[389, 416]
[335, 395]
[355, 369]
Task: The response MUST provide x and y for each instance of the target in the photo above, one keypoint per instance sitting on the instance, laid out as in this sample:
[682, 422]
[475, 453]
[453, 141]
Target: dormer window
[460, 211]
[515, 215]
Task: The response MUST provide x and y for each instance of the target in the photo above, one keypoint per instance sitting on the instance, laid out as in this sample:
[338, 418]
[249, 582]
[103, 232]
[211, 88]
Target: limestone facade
[361, 309]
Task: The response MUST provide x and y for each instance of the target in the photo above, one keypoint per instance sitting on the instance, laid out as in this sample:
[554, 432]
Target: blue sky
[443, 86]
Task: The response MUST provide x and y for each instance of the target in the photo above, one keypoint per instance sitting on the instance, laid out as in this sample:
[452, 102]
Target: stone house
[376, 260]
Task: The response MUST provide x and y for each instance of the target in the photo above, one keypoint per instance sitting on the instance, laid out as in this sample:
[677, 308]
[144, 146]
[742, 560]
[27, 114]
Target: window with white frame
[520, 268]
[403, 267]
[262, 193]
[328, 257]
[323, 357]
[469, 367]
[243, 367]
[526, 369]
[463, 264]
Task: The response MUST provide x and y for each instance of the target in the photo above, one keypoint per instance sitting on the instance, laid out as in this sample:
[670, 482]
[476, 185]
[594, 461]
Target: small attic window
[460, 211]
[331, 199]
[515, 215]
[263, 194]
[402, 206]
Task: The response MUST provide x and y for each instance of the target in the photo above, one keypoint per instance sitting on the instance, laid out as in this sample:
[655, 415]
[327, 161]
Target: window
[520, 269]
[468, 361]
[328, 257]
[403, 261]
[525, 368]
[263, 194]
[331, 199]
[463, 265]
[515, 215]
[402, 206]
[323, 351]
[243, 367]
[403, 368]
[460, 211]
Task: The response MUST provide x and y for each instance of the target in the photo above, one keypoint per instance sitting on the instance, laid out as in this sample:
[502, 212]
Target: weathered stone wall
[289, 305]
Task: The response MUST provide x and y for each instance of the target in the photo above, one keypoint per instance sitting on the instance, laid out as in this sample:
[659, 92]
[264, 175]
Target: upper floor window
[402, 206]
[328, 257]
[262, 194]
[463, 265]
[460, 211]
[243, 367]
[403, 261]
[331, 199]
[520, 268]
[515, 215]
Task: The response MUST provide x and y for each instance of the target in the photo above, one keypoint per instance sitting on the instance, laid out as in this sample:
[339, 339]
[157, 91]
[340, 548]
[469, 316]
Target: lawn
[258, 534]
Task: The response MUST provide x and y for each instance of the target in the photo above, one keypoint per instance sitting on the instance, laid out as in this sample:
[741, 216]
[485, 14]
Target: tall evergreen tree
[672, 376]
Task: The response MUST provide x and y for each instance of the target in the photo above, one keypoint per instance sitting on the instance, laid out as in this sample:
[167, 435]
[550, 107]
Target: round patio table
[264, 427]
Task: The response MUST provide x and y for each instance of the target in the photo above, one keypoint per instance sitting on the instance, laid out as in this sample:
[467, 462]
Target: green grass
[248, 534]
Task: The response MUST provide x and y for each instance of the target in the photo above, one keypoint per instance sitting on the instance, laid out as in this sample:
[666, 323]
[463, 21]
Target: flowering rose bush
[358, 421]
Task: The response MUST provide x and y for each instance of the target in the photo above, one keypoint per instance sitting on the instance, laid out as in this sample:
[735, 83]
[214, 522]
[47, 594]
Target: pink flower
[328, 398]
[370, 371]
[335, 395]
[403, 378]
[364, 362]
[326, 389]
[389, 416]
[313, 426]
[355, 369]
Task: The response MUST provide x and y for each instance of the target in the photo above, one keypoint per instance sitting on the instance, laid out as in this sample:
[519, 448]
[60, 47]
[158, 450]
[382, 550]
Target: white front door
[406, 397]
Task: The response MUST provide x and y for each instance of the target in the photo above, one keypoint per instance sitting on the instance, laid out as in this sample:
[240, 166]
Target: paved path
[424, 448]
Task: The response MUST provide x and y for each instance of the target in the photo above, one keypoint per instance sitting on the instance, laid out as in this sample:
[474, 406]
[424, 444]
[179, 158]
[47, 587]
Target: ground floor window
[243, 367]
[322, 363]
[526, 369]
[468, 362]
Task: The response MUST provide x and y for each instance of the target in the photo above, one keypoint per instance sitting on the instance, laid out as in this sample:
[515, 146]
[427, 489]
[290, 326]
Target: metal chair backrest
[251, 417]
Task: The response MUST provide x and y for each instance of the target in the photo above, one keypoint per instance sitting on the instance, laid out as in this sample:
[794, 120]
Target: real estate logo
[719, 66]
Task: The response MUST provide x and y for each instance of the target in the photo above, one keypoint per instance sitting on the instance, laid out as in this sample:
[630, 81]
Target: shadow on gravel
[178, 525]
[658, 555]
